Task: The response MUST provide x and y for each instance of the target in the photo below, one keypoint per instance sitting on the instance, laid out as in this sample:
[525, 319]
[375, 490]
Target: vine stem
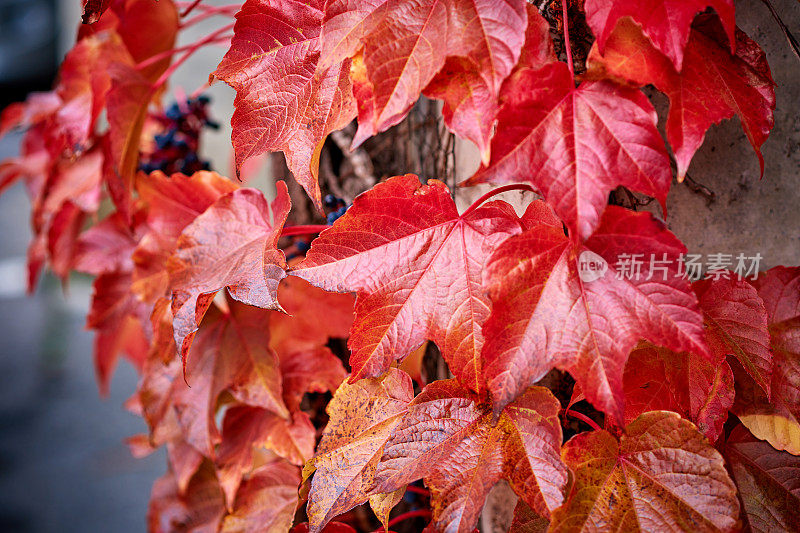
[495, 192]
[191, 50]
[167, 53]
[788, 34]
[291, 231]
[565, 29]
[418, 490]
[583, 418]
[208, 13]
[425, 513]
[190, 8]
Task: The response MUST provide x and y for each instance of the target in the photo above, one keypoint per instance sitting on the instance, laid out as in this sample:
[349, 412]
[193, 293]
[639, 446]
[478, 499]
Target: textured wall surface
[750, 215]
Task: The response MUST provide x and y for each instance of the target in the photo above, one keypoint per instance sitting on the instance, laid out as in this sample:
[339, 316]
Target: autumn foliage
[690, 391]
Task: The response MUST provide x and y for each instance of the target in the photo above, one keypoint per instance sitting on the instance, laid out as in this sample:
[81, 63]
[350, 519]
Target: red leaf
[106, 247]
[660, 379]
[545, 315]
[405, 45]
[118, 317]
[172, 204]
[127, 104]
[575, 145]
[489, 39]
[647, 480]
[665, 22]
[712, 86]
[312, 317]
[36, 108]
[232, 244]
[246, 428]
[230, 354]
[452, 441]
[266, 501]
[84, 81]
[309, 370]
[776, 420]
[736, 324]
[416, 266]
[128, 18]
[283, 101]
[200, 508]
[767, 482]
[362, 417]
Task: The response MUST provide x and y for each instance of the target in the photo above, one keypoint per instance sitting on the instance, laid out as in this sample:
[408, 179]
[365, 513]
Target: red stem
[582, 417]
[565, 28]
[425, 513]
[190, 8]
[191, 50]
[208, 13]
[167, 53]
[418, 490]
[290, 231]
[495, 192]
[410, 514]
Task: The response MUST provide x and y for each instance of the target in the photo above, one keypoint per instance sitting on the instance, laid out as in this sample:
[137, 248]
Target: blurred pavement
[63, 463]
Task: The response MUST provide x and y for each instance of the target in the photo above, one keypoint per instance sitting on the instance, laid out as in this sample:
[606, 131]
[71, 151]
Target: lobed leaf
[767, 480]
[714, 83]
[575, 145]
[666, 23]
[362, 417]
[283, 101]
[660, 475]
[266, 501]
[546, 315]
[453, 442]
[416, 267]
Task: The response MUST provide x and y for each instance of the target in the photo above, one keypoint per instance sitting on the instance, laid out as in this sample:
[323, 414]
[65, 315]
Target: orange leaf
[647, 480]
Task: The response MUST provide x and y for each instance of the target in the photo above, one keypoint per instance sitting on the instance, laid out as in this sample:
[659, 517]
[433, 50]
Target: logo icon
[591, 266]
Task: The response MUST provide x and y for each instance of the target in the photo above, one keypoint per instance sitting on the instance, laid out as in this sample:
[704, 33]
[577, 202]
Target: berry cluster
[176, 147]
[337, 207]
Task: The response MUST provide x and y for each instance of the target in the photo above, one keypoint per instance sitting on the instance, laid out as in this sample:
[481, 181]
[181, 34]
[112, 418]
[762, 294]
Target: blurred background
[63, 462]
[64, 465]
